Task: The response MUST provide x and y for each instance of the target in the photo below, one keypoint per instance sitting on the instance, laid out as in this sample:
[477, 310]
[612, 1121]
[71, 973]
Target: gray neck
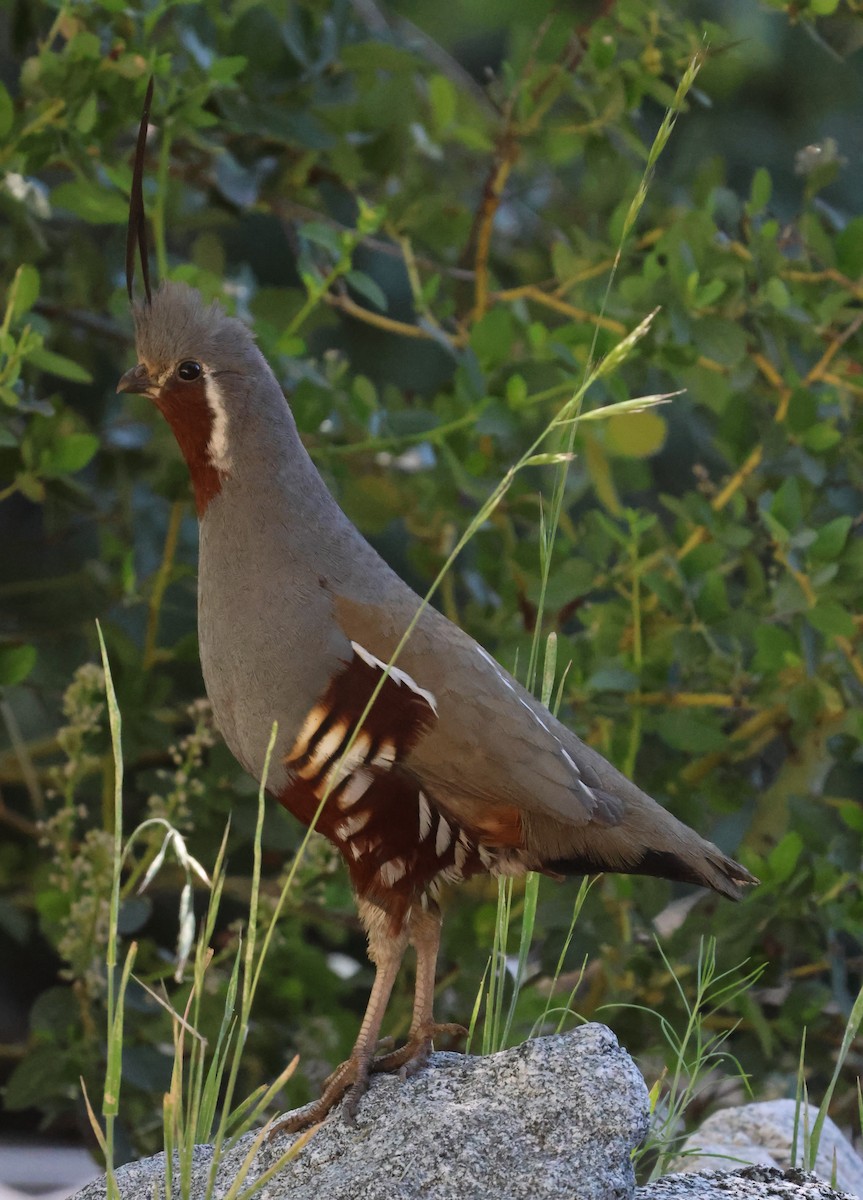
[271, 493]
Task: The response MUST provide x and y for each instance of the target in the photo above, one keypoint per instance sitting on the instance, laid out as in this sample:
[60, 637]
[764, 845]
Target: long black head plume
[136, 233]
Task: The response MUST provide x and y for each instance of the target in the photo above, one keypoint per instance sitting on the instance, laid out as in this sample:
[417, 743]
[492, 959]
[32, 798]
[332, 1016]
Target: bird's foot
[350, 1080]
[414, 1054]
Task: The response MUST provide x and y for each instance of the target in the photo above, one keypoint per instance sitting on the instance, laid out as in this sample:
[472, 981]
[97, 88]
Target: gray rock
[554, 1119]
[764, 1133]
[752, 1183]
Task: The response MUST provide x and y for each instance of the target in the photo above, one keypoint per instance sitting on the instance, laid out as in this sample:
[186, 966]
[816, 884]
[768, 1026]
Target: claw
[350, 1079]
[414, 1054]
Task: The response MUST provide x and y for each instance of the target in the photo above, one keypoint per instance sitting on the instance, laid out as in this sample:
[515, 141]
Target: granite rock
[553, 1119]
[763, 1132]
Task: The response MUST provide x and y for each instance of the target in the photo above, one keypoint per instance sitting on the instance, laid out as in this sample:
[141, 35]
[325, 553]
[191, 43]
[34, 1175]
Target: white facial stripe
[400, 677]
[218, 448]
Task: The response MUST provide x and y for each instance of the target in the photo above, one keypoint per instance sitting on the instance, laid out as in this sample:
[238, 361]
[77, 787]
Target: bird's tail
[647, 840]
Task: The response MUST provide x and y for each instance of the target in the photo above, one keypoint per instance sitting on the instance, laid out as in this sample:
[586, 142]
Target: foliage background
[419, 206]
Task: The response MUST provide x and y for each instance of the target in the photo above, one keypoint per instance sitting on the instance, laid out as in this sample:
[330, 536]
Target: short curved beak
[136, 380]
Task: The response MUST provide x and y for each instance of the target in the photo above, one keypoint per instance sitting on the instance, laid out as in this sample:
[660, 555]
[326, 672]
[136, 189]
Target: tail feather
[627, 832]
[710, 868]
[646, 839]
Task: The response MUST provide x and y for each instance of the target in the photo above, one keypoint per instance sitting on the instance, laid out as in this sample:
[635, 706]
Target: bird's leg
[386, 951]
[425, 929]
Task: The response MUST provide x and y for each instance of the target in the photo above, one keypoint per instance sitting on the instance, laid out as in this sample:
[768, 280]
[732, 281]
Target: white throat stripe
[217, 448]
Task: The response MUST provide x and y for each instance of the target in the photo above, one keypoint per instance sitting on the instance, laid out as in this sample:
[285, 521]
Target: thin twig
[19, 745]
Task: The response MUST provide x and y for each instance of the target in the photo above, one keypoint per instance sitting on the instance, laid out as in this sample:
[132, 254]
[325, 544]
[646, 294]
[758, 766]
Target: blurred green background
[419, 207]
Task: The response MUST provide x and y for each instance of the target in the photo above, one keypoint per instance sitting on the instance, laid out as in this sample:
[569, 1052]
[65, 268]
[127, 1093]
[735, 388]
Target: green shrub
[427, 262]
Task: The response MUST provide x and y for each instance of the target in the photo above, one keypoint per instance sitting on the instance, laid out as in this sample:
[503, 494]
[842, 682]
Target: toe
[351, 1077]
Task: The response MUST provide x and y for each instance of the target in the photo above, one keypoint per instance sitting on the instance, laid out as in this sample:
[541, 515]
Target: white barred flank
[351, 825]
[354, 790]
[443, 837]
[425, 816]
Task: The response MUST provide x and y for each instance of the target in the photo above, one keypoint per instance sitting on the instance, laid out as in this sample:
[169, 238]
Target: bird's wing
[492, 746]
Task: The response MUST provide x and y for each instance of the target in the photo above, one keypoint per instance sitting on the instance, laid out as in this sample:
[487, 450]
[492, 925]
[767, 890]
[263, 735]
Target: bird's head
[195, 363]
[184, 344]
[198, 365]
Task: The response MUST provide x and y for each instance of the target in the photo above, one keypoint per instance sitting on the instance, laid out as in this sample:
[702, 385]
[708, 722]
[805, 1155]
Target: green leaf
[722, 340]
[821, 437]
[25, 288]
[324, 235]
[377, 56]
[787, 505]
[59, 364]
[612, 678]
[831, 539]
[852, 815]
[491, 338]
[472, 138]
[759, 195]
[291, 346]
[516, 391]
[777, 293]
[92, 202]
[603, 50]
[690, 732]
[777, 649]
[7, 112]
[16, 663]
[710, 293]
[374, 501]
[568, 580]
[84, 45]
[635, 435]
[86, 118]
[31, 486]
[849, 248]
[444, 101]
[831, 618]
[784, 857]
[72, 452]
[366, 393]
[711, 603]
[37, 1078]
[368, 288]
[221, 70]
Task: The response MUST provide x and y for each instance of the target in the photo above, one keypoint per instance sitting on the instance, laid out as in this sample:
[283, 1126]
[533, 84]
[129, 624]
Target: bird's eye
[189, 370]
